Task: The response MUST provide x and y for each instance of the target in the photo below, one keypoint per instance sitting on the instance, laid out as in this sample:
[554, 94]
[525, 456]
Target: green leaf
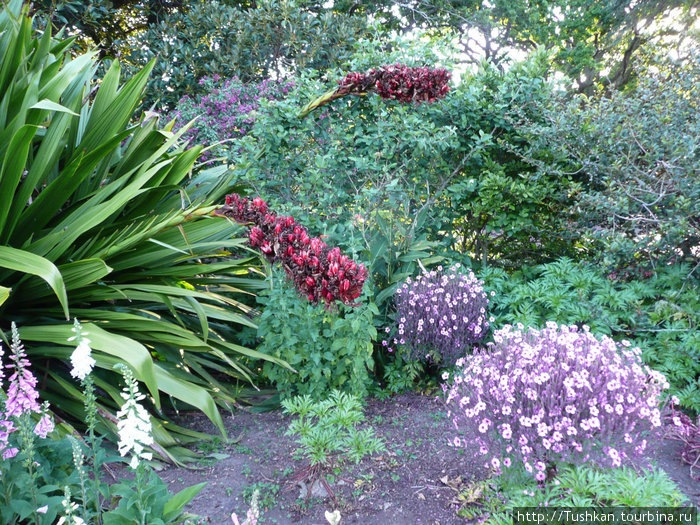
[128, 350]
[76, 275]
[81, 273]
[12, 167]
[201, 314]
[386, 293]
[191, 394]
[174, 506]
[4, 294]
[52, 106]
[22, 261]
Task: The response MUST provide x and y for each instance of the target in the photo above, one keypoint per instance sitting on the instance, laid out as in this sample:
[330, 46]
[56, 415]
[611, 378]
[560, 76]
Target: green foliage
[329, 428]
[267, 494]
[401, 373]
[224, 112]
[268, 38]
[396, 183]
[573, 486]
[161, 507]
[102, 23]
[52, 473]
[92, 206]
[592, 42]
[636, 153]
[660, 314]
[327, 349]
[500, 210]
[55, 471]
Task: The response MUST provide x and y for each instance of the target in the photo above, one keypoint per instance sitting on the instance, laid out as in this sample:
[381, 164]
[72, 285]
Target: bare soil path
[403, 486]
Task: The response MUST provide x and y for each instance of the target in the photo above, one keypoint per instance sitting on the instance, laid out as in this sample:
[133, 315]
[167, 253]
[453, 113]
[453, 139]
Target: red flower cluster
[399, 82]
[318, 271]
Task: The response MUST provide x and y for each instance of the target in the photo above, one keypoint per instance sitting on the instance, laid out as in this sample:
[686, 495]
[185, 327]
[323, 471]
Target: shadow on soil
[399, 487]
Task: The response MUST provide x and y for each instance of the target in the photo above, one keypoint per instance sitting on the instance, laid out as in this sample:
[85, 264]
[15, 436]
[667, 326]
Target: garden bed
[415, 481]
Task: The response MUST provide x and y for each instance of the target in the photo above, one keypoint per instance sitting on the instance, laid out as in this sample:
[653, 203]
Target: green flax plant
[95, 223]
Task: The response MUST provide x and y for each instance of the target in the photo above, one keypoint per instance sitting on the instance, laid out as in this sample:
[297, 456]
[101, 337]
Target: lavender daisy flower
[441, 315]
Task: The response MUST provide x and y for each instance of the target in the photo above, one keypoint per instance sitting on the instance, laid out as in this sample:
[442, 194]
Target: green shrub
[224, 112]
[400, 183]
[660, 314]
[328, 349]
[401, 373]
[636, 153]
[254, 40]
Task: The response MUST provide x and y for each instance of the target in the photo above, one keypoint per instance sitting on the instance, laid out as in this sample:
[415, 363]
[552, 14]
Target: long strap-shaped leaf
[29, 263]
[126, 349]
[12, 167]
[76, 276]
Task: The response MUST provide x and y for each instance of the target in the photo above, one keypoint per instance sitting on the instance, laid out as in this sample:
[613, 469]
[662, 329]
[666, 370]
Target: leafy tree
[108, 24]
[638, 156]
[592, 41]
[104, 24]
[273, 39]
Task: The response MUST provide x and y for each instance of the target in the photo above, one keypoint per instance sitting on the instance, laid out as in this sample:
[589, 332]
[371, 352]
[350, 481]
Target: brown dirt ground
[399, 487]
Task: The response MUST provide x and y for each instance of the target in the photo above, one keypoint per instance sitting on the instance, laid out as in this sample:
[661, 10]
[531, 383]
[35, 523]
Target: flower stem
[140, 482]
[27, 437]
[78, 463]
[91, 420]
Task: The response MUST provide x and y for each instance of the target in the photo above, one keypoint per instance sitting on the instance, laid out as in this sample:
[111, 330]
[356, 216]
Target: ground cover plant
[328, 434]
[575, 487]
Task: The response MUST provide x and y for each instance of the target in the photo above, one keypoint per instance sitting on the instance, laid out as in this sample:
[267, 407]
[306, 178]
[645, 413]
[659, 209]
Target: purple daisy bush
[440, 315]
[556, 394]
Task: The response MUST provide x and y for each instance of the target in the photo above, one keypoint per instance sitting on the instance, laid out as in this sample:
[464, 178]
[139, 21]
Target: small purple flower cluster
[556, 394]
[227, 109]
[440, 316]
[21, 397]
